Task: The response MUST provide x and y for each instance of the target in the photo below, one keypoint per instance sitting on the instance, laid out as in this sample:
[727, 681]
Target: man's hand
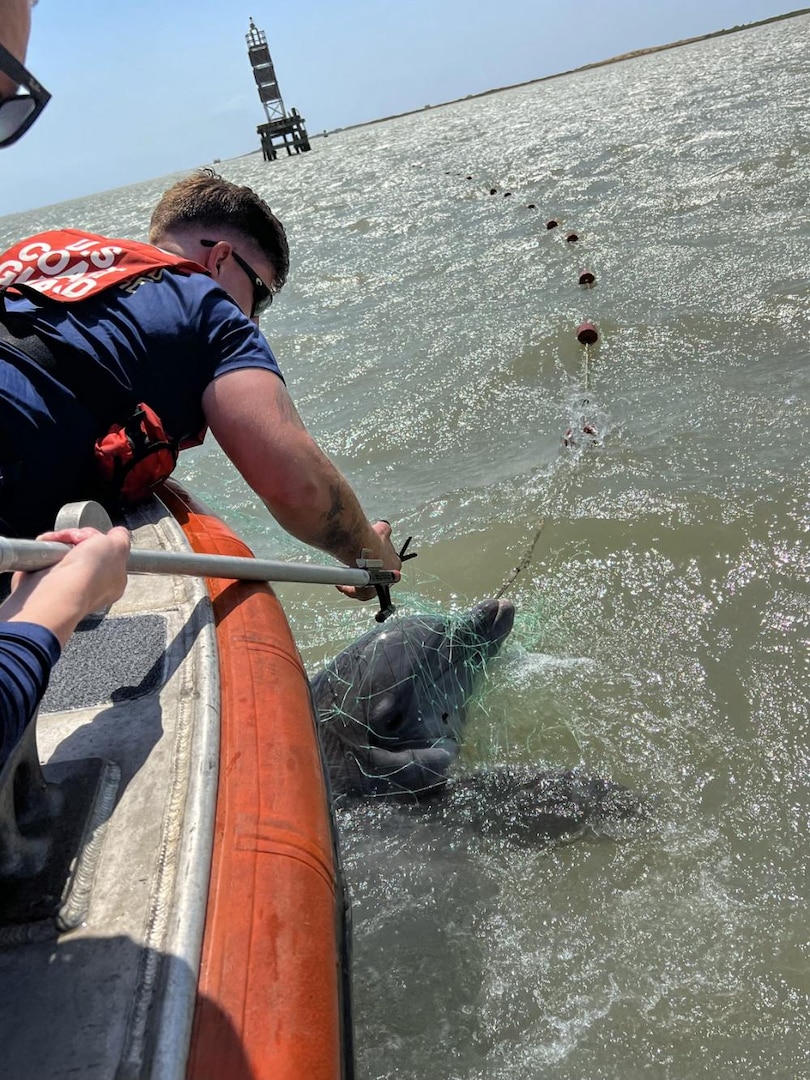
[383, 550]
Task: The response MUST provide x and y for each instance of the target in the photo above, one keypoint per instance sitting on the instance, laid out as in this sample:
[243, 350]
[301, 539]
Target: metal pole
[37, 554]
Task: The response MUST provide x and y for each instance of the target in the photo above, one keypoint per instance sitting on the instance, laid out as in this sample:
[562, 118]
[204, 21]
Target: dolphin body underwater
[391, 715]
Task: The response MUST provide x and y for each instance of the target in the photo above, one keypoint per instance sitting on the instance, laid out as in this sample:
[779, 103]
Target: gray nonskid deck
[111, 659]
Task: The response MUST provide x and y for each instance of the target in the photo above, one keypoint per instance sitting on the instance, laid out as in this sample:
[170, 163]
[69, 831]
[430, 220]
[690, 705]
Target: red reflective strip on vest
[71, 265]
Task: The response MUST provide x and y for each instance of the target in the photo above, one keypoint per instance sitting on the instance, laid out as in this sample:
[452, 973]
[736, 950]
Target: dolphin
[391, 706]
[526, 806]
[391, 713]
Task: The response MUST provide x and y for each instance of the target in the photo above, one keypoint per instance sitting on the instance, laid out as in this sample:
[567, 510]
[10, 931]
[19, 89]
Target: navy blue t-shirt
[27, 655]
[161, 343]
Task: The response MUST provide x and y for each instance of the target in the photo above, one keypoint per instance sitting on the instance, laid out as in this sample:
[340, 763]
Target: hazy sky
[148, 88]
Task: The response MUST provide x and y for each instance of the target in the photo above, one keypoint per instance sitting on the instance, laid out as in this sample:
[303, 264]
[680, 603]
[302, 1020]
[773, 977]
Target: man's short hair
[206, 201]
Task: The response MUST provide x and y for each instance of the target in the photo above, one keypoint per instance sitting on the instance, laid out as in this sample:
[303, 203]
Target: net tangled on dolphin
[392, 706]
[391, 711]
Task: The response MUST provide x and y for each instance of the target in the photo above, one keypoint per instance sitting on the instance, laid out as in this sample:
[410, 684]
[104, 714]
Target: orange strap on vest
[135, 456]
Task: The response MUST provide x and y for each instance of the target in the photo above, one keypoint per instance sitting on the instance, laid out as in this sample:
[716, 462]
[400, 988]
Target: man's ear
[216, 257]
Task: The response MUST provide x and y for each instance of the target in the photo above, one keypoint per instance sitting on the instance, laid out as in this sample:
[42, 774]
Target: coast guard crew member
[92, 328]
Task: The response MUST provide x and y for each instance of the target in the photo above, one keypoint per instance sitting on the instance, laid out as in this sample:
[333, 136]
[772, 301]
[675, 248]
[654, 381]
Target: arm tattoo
[336, 538]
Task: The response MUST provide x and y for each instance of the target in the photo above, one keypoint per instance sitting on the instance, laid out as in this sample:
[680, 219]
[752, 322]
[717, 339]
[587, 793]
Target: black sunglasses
[17, 114]
[262, 293]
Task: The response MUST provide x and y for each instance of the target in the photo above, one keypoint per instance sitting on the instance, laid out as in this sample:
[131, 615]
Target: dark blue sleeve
[27, 654]
[232, 337]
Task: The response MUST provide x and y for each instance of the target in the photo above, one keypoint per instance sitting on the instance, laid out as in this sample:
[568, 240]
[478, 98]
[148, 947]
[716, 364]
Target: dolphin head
[423, 671]
[485, 626]
[391, 707]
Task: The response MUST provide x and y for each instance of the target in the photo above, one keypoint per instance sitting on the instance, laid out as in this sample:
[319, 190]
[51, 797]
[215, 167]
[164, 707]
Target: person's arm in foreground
[252, 417]
[42, 612]
[90, 577]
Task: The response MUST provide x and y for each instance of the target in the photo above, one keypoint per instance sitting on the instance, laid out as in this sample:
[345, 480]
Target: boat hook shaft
[38, 554]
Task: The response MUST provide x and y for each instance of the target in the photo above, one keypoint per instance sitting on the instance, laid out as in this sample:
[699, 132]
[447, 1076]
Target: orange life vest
[69, 265]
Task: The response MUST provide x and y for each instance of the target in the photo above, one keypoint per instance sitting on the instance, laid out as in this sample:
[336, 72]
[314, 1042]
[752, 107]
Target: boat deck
[134, 706]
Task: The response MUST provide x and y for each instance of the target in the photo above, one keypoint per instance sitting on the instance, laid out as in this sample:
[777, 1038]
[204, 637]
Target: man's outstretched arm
[253, 418]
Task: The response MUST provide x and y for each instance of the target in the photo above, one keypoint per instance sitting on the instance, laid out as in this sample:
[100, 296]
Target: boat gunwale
[274, 990]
